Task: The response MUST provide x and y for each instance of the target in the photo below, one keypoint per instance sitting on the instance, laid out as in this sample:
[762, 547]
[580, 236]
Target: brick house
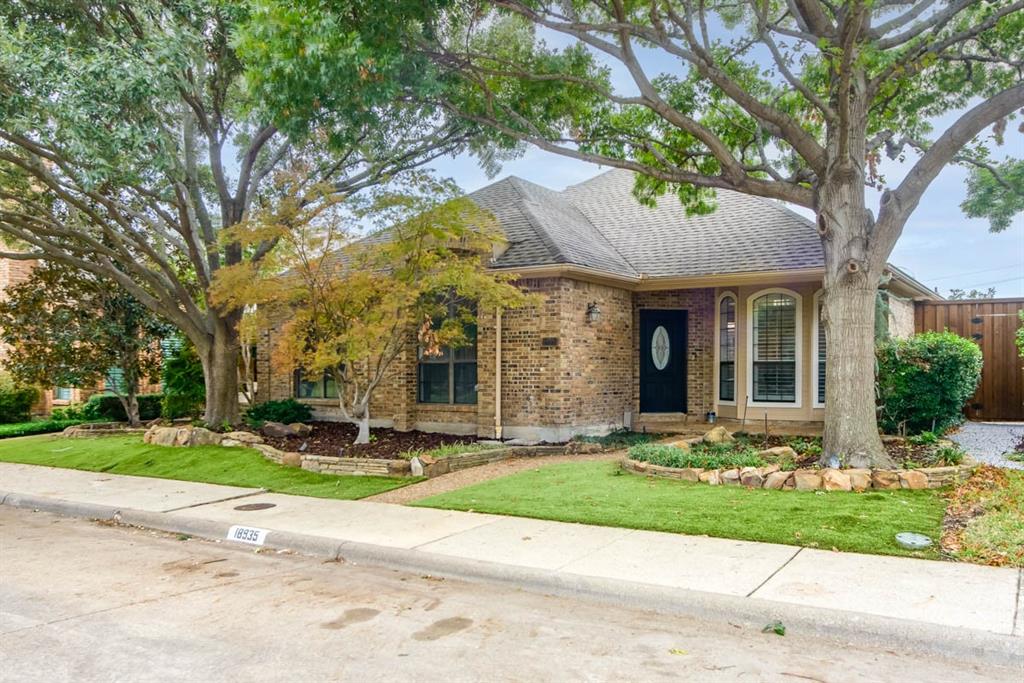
[650, 319]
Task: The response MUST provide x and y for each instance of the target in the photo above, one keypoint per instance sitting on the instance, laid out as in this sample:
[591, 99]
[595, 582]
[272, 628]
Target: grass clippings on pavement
[208, 464]
[985, 518]
[598, 492]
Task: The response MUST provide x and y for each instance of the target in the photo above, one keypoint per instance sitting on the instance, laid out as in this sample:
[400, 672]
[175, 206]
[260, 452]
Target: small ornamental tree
[356, 306]
[69, 328]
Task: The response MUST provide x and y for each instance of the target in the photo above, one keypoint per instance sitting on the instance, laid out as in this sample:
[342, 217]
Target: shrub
[36, 427]
[184, 384]
[16, 402]
[286, 410]
[949, 455]
[108, 408]
[703, 456]
[620, 438]
[74, 412]
[809, 446]
[924, 381]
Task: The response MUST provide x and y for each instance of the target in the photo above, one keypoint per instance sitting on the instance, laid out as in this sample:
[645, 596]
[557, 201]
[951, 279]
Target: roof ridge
[600, 232]
[531, 218]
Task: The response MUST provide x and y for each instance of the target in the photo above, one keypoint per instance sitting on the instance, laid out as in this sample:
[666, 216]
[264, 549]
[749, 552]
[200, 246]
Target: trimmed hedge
[108, 408]
[704, 457]
[925, 381]
[286, 411]
[16, 403]
[8, 431]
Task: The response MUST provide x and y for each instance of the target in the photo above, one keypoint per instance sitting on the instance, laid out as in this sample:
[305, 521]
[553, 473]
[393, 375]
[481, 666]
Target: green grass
[599, 493]
[621, 438]
[8, 431]
[210, 464]
[997, 535]
[451, 449]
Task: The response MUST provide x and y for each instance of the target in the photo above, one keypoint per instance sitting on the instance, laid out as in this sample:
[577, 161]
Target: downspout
[497, 373]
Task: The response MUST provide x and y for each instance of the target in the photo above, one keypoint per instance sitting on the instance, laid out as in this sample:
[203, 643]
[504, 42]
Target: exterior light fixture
[593, 312]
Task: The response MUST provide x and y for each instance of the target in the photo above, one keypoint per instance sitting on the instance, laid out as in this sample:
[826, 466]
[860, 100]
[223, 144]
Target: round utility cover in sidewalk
[912, 541]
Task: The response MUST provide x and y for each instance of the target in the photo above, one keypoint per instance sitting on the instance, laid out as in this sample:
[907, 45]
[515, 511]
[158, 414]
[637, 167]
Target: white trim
[718, 345]
[749, 364]
[814, 349]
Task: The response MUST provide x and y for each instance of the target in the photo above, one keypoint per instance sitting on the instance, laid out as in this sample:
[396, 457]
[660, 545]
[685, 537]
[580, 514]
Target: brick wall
[562, 374]
[901, 317]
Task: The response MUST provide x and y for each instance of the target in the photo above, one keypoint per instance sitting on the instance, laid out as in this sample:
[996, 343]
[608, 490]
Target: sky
[940, 246]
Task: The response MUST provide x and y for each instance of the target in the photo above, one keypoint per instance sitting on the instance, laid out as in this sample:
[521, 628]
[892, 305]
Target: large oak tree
[131, 137]
[794, 100]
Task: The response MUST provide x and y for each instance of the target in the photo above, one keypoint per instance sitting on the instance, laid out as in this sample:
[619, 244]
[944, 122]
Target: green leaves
[998, 196]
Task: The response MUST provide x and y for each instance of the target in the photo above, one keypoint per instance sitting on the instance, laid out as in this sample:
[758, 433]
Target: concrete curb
[854, 628]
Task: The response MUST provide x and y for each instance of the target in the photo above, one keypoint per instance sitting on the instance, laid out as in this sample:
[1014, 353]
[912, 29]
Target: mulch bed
[335, 438]
[899, 451]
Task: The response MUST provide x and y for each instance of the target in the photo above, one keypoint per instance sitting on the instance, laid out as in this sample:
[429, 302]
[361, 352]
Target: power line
[997, 282]
[976, 272]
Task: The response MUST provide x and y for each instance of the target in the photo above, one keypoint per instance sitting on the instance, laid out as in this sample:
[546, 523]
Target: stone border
[772, 477]
[87, 429]
[184, 436]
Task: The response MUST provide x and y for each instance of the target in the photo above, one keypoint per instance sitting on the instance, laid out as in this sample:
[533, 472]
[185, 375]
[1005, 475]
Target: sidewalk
[953, 609]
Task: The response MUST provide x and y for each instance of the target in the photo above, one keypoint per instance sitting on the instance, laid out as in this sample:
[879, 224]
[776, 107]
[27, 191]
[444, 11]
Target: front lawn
[599, 493]
[210, 464]
[985, 520]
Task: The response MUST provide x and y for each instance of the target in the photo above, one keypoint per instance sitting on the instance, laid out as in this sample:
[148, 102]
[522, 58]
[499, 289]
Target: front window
[774, 346]
[448, 376]
[62, 393]
[315, 386]
[727, 349]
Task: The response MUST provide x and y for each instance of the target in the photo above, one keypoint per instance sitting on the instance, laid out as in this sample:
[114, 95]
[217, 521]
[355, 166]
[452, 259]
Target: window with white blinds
[821, 359]
[727, 349]
[774, 348]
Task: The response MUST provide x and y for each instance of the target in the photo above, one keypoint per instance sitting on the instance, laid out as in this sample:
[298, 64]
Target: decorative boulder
[204, 437]
[291, 459]
[269, 451]
[731, 477]
[161, 436]
[835, 480]
[681, 444]
[751, 478]
[912, 479]
[690, 473]
[776, 480]
[807, 480]
[860, 480]
[231, 443]
[768, 469]
[300, 430]
[885, 479]
[778, 453]
[183, 437]
[276, 430]
[244, 437]
[719, 435]
[710, 477]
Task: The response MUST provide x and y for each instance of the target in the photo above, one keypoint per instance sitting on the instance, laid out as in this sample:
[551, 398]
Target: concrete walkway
[968, 609]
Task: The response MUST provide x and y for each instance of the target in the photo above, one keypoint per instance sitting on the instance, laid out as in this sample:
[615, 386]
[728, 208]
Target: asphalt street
[83, 601]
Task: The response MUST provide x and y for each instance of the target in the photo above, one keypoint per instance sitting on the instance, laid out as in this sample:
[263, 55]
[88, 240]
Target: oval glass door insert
[660, 347]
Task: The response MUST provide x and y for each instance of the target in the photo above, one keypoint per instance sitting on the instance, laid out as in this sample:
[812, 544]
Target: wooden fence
[993, 324]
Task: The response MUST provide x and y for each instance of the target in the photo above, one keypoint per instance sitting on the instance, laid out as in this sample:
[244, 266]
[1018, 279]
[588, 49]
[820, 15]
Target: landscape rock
[807, 480]
[244, 437]
[860, 480]
[300, 430]
[690, 473]
[291, 459]
[776, 480]
[912, 479]
[835, 480]
[885, 479]
[768, 469]
[161, 436]
[183, 436]
[751, 478]
[581, 447]
[682, 444]
[710, 477]
[276, 430]
[416, 467]
[204, 437]
[719, 435]
[731, 477]
[268, 451]
[231, 443]
[778, 453]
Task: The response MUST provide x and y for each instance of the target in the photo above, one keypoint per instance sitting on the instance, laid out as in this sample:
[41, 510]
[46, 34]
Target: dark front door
[662, 361]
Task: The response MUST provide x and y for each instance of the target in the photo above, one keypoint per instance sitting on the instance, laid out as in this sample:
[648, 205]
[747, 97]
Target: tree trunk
[851, 424]
[364, 428]
[220, 370]
[130, 403]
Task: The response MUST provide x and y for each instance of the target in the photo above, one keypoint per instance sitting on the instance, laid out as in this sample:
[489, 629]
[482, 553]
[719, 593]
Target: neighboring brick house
[14, 272]
[646, 321]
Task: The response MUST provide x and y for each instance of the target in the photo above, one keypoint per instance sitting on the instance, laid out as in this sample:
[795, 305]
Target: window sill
[318, 401]
[448, 407]
[770, 404]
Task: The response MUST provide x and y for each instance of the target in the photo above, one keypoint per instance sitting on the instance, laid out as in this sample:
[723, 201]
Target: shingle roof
[599, 224]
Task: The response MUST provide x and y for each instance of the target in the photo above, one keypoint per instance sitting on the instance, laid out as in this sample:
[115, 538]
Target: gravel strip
[989, 441]
[474, 475]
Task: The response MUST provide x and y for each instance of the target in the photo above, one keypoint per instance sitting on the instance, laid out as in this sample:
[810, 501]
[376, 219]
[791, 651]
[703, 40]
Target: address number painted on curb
[247, 534]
